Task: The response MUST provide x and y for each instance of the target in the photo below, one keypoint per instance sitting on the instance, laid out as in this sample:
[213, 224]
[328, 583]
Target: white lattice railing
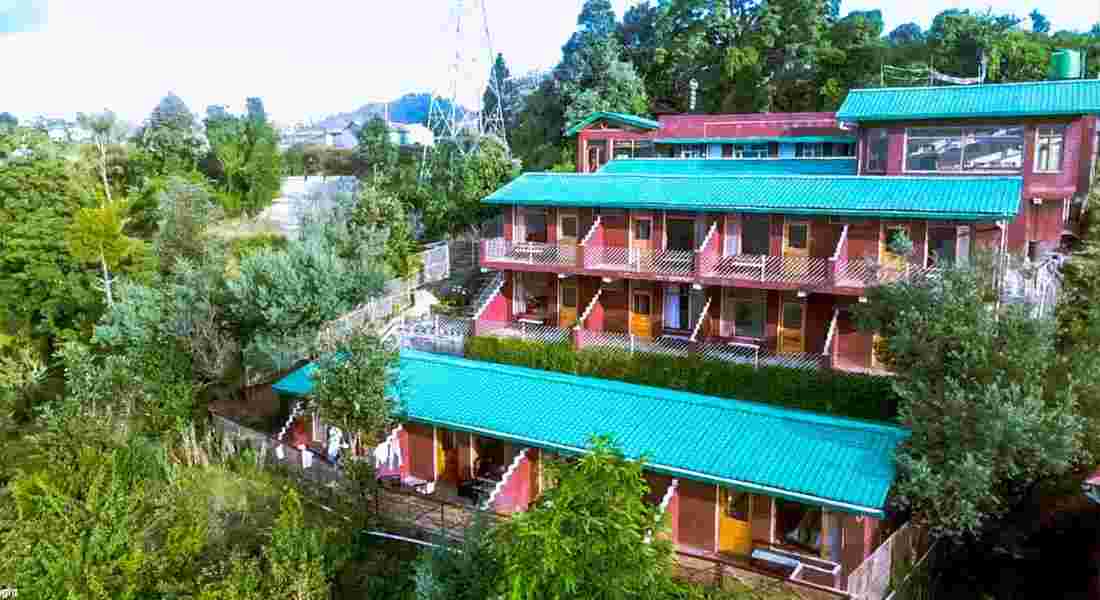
[516, 462]
[530, 253]
[797, 270]
[493, 287]
[752, 354]
[640, 260]
[700, 321]
[588, 309]
[524, 331]
[607, 257]
[591, 231]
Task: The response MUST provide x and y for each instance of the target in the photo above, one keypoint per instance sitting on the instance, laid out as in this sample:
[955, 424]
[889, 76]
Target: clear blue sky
[305, 59]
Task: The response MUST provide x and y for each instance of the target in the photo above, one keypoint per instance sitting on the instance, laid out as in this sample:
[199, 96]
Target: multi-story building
[750, 235]
[744, 237]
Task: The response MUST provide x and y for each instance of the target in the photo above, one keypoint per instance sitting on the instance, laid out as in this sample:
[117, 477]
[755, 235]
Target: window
[1048, 148]
[634, 149]
[737, 505]
[597, 154]
[958, 149]
[641, 304]
[693, 151]
[878, 146]
[750, 151]
[798, 236]
[536, 226]
[748, 317]
[808, 150]
[681, 234]
[798, 524]
[755, 234]
[642, 229]
[569, 226]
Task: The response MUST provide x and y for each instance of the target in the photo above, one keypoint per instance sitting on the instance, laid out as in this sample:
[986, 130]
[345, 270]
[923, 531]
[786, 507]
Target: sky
[309, 59]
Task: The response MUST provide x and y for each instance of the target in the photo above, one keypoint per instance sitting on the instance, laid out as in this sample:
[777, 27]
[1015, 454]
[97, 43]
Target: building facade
[749, 237]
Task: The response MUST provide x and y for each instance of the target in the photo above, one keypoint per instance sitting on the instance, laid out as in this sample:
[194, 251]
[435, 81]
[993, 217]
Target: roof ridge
[778, 176]
[975, 87]
[731, 404]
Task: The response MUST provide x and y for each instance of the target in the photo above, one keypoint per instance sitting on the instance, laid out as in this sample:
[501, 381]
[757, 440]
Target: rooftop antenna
[456, 113]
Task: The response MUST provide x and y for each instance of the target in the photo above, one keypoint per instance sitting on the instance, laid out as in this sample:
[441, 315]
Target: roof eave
[856, 509]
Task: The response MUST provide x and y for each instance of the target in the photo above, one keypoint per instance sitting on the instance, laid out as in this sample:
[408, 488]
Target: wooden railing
[699, 322]
[530, 253]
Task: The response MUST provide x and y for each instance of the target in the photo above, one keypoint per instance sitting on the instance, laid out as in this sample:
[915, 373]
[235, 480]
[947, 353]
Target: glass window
[693, 151]
[878, 146]
[641, 304]
[642, 229]
[644, 149]
[750, 151]
[748, 318]
[955, 149]
[1048, 148]
[737, 505]
[755, 234]
[809, 150]
[569, 227]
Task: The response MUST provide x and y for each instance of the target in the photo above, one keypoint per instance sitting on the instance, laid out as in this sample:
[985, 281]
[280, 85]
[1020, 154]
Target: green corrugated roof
[954, 198]
[1032, 99]
[830, 461]
[790, 139]
[730, 166]
[621, 118]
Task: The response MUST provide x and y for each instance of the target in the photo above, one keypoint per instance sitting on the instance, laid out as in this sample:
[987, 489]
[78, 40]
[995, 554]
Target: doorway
[641, 243]
[734, 529]
[942, 242]
[567, 236]
[641, 323]
[755, 235]
[681, 234]
[792, 324]
[567, 302]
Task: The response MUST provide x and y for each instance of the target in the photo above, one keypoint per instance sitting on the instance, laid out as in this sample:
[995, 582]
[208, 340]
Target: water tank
[1066, 64]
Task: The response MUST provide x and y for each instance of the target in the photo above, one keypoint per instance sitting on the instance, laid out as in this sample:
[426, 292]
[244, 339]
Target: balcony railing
[530, 253]
[805, 272]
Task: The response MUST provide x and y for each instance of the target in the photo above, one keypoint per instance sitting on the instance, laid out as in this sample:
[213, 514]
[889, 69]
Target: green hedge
[831, 392]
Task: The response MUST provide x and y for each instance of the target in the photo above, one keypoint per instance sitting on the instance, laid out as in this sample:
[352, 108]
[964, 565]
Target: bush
[250, 244]
[842, 394]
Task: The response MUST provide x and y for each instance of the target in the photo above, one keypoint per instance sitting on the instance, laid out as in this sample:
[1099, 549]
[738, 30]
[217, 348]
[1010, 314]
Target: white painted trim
[713, 479]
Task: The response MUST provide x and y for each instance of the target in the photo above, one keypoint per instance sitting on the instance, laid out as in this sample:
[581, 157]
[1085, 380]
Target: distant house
[411, 134]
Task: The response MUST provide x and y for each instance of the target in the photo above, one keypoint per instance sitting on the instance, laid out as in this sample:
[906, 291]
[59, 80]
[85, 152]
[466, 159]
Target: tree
[1039, 23]
[105, 130]
[354, 388]
[459, 183]
[295, 556]
[97, 236]
[906, 33]
[466, 571]
[977, 391]
[8, 121]
[1078, 316]
[246, 161]
[379, 212]
[169, 139]
[591, 535]
[375, 150]
[507, 100]
[184, 211]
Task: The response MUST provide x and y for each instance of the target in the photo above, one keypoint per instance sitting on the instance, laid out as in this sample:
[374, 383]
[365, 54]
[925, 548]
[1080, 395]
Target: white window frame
[1061, 147]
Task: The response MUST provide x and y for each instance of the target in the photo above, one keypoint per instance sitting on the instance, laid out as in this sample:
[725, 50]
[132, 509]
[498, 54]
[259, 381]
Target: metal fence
[889, 565]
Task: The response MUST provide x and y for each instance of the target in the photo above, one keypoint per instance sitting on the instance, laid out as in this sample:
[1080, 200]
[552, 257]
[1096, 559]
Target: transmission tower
[457, 112]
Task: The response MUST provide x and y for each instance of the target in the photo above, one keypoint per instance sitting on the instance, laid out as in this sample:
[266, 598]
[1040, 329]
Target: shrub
[842, 394]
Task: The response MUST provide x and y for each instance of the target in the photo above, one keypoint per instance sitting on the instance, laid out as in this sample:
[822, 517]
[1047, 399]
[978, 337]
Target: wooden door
[734, 529]
[568, 224]
[448, 455]
[567, 302]
[641, 243]
[792, 323]
[641, 309]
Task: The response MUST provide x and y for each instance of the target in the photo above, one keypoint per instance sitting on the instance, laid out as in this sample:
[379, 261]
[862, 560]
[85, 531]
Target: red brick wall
[421, 451]
[697, 527]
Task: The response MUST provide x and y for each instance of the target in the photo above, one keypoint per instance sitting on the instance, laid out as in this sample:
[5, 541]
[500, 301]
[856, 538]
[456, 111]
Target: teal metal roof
[840, 463]
[1031, 99]
[621, 118]
[730, 166]
[790, 139]
[298, 383]
[952, 198]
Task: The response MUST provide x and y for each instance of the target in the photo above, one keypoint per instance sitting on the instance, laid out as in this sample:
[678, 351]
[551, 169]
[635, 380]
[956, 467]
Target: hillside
[410, 108]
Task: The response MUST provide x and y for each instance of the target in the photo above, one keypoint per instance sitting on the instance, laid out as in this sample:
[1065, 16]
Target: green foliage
[977, 390]
[97, 235]
[281, 298]
[169, 142]
[295, 557]
[376, 152]
[858, 396]
[8, 121]
[354, 387]
[251, 244]
[184, 210]
[1078, 316]
[377, 210]
[245, 158]
[452, 201]
[591, 535]
[42, 285]
[469, 570]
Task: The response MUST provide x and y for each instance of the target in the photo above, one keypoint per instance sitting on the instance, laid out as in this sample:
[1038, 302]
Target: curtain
[672, 306]
[519, 294]
[731, 243]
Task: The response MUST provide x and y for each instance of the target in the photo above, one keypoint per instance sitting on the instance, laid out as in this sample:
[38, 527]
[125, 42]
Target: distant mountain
[410, 108]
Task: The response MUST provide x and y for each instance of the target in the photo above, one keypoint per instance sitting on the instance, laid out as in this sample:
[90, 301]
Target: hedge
[858, 396]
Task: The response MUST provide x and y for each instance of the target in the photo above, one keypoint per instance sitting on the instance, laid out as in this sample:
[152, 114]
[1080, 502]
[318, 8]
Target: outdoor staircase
[504, 480]
[489, 285]
[295, 412]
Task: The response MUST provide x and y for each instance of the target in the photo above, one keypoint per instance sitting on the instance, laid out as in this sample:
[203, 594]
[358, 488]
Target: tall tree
[375, 150]
[105, 130]
[1039, 22]
[505, 96]
[97, 235]
[8, 121]
[170, 138]
[978, 391]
